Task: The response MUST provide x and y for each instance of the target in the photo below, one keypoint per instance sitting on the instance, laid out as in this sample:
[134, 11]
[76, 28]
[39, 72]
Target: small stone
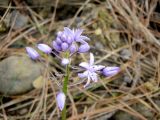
[18, 20]
[17, 74]
[125, 54]
[127, 79]
[23, 111]
[120, 115]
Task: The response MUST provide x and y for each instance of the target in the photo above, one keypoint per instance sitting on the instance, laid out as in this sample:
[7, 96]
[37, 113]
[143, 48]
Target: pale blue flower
[44, 48]
[83, 48]
[76, 35]
[65, 61]
[90, 70]
[71, 40]
[61, 98]
[110, 71]
[32, 53]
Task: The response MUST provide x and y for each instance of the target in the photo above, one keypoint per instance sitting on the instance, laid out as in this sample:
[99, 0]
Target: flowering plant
[68, 43]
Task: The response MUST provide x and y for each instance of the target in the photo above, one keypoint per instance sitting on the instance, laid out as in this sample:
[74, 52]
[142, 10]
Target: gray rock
[143, 110]
[140, 108]
[17, 74]
[23, 111]
[125, 54]
[18, 20]
[120, 115]
[127, 79]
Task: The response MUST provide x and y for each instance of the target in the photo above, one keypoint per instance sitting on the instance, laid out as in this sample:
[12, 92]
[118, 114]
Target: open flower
[90, 70]
[76, 35]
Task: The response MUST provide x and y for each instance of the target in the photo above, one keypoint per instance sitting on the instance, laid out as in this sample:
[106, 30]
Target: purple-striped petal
[83, 75]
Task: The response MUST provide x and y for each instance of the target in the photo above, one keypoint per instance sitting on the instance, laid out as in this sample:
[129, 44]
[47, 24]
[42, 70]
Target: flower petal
[81, 41]
[78, 33]
[98, 67]
[93, 76]
[84, 65]
[88, 82]
[83, 75]
[84, 37]
[91, 62]
[68, 31]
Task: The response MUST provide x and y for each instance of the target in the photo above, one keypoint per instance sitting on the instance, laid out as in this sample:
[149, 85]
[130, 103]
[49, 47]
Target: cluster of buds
[69, 42]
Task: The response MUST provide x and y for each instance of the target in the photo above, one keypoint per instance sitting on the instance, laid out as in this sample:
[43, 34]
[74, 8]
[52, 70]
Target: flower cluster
[69, 42]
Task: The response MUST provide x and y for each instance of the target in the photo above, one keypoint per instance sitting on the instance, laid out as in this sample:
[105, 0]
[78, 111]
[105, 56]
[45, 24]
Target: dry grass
[114, 24]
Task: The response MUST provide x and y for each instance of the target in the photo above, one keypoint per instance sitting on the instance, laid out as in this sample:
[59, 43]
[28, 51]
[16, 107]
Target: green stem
[65, 83]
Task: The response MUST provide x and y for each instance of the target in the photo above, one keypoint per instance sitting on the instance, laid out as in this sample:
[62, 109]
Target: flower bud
[33, 54]
[59, 33]
[73, 48]
[58, 41]
[61, 98]
[84, 48]
[45, 48]
[64, 46]
[69, 40]
[56, 46]
[65, 61]
[110, 71]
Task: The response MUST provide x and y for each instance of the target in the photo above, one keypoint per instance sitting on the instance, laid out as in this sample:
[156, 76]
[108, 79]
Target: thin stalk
[65, 85]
